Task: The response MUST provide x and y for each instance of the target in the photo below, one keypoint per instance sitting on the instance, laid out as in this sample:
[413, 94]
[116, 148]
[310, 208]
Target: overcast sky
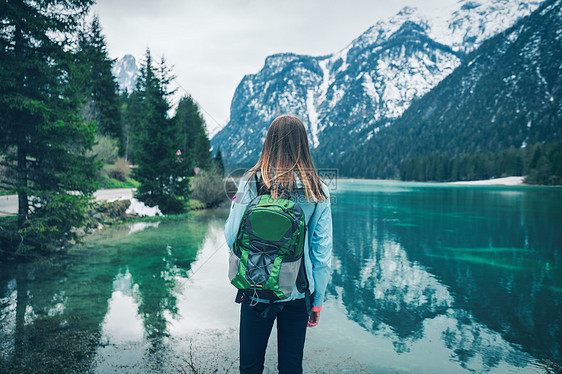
[212, 44]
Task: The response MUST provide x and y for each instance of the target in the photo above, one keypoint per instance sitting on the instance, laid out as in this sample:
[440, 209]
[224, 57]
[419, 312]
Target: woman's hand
[313, 319]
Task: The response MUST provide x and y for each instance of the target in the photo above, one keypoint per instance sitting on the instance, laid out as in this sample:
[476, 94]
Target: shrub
[208, 187]
[120, 171]
[170, 204]
[107, 149]
[50, 224]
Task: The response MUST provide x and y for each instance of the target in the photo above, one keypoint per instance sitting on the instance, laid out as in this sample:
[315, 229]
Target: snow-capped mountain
[350, 95]
[476, 21]
[126, 73]
[505, 95]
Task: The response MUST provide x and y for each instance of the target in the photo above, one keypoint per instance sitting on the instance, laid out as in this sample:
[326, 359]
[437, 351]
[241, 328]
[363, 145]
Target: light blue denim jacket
[318, 244]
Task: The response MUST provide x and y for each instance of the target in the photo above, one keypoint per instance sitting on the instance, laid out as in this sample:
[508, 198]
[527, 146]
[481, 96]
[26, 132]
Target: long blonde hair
[285, 154]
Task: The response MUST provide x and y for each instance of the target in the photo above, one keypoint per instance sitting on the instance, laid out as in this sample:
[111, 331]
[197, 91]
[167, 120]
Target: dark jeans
[255, 330]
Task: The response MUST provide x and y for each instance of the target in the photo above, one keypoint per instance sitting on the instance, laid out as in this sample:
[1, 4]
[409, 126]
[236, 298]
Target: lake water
[426, 279]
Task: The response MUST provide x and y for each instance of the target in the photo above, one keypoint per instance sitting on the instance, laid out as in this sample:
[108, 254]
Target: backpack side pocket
[233, 265]
[288, 275]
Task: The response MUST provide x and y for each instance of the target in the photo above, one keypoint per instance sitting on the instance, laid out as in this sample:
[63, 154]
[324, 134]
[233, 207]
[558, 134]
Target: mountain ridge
[359, 89]
[126, 72]
[505, 94]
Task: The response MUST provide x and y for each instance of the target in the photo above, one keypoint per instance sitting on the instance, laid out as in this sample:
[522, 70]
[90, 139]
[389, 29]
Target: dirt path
[9, 203]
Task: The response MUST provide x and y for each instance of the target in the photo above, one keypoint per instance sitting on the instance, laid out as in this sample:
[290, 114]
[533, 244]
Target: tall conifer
[99, 88]
[42, 139]
[161, 170]
[218, 162]
[192, 127]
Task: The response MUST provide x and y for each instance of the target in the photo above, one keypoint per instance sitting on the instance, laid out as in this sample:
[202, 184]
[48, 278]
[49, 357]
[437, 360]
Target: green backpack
[267, 258]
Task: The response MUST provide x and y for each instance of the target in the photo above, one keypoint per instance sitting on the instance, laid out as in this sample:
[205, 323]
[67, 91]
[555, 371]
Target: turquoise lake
[426, 278]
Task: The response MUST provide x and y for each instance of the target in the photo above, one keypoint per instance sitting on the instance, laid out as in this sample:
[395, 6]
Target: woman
[285, 160]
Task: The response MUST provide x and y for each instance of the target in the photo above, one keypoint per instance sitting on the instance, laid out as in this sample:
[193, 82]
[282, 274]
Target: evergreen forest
[67, 129]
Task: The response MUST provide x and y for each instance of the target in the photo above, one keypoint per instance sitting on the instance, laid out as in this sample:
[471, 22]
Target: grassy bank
[116, 175]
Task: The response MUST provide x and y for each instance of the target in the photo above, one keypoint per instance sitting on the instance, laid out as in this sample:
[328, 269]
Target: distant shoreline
[507, 181]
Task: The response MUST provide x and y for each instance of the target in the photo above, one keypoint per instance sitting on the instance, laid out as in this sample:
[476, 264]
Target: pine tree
[193, 129]
[161, 169]
[43, 141]
[131, 116]
[218, 163]
[99, 88]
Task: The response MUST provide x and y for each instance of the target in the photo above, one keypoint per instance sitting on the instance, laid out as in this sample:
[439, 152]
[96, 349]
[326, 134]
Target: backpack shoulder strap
[302, 279]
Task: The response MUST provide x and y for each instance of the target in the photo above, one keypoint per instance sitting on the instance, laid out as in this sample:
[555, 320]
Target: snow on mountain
[347, 96]
[505, 95]
[477, 21]
[126, 73]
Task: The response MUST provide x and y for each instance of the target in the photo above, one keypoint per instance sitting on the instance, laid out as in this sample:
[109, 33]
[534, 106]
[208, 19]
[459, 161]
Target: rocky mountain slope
[126, 73]
[507, 93]
[347, 97]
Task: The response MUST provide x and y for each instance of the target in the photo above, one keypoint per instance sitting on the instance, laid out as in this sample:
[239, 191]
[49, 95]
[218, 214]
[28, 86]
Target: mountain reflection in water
[485, 262]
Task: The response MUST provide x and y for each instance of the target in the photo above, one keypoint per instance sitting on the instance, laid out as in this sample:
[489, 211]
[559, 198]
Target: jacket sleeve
[320, 244]
[237, 208]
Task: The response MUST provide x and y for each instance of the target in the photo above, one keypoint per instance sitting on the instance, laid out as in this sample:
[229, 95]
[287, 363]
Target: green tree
[43, 141]
[218, 163]
[101, 101]
[132, 115]
[161, 170]
[193, 130]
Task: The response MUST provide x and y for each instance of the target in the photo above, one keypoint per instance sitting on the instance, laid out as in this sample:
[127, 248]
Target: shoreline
[506, 181]
[109, 207]
[8, 203]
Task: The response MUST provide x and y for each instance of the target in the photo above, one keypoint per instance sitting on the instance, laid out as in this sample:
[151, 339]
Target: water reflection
[194, 290]
[395, 291]
[481, 263]
[205, 299]
[8, 320]
[122, 322]
[117, 287]
[425, 279]
[140, 226]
